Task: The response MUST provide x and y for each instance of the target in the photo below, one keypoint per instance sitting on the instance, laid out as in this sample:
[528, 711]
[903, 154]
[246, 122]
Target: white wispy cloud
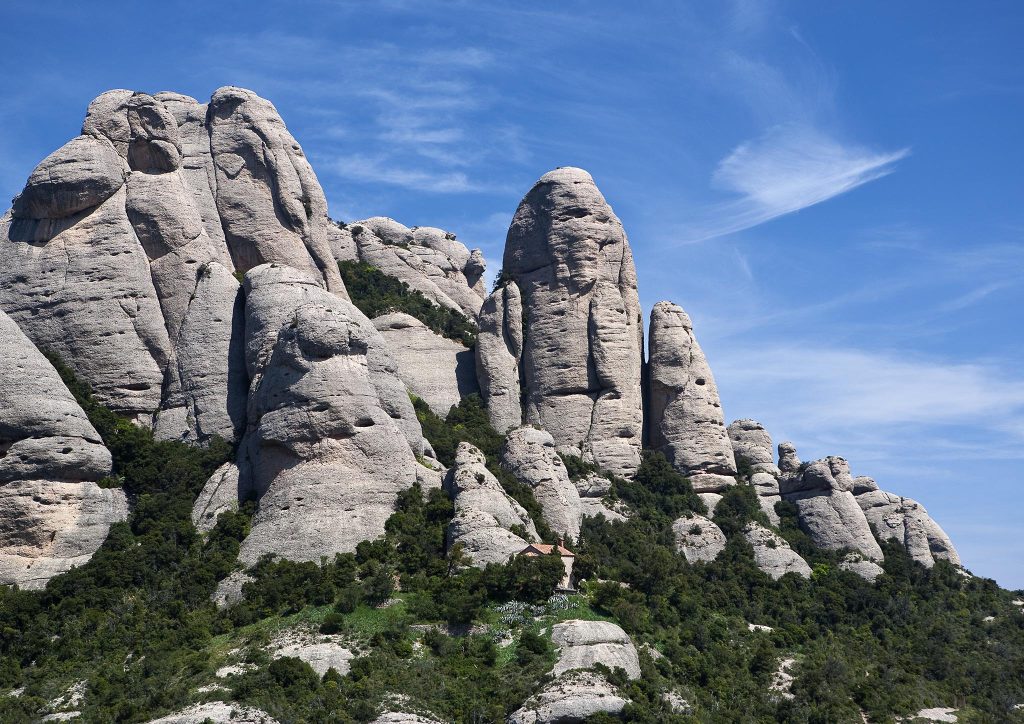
[787, 169]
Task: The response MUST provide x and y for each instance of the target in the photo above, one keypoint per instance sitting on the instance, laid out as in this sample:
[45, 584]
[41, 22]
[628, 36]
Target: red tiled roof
[545, 549]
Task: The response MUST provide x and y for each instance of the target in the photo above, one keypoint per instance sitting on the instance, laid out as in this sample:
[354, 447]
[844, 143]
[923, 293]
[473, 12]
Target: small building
[568, 583]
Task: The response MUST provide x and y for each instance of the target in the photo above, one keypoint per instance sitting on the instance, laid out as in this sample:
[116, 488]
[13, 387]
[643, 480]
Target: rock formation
[866, 569]
[905, 521]
[53, 515]
[772, 553]
[327, 448]
[767, 488]
[571, 699]
[698, 539]
[579, 364]
[219, 495]
[441, 371]
[684, 413]
[531, 457]
[218, 712]
[583, 644]
[823, 493]
[489, 525]
[752, 446]
[431, 261]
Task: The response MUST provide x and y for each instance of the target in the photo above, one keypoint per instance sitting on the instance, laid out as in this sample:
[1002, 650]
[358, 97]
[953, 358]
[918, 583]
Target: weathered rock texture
[905, 521]
[772, 553]
[489, 525]
[698, 539]
[219, 495]
[752, 446]
[120, 253]
[441, 371]
[583, 644]
[218, 712]
[401, 717]
[866, 569]
[823, 493]
[684, 413]
[328, 445]
[571, 699]
[767, 488]
[431, 261]
[531, 457]
[577, 351]
[53, 516]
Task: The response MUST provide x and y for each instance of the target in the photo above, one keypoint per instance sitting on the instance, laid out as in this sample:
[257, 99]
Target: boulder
[489, 525]
[571, 699]
[78, 176]
[789, 462]
[698, 539]
[499, 351]
[772, 553]
[322, 653]
[906, 521]
[752, 446]
[429, 260]
[828, 511]
[866, 569]
[584, 644]
[580, 365]
[441, 371]
[530, 455]
[684, 412]
[53, 515]
[323, 453]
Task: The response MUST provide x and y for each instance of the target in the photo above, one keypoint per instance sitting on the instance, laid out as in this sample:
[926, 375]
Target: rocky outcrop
[823, 493]
[698, 539]
[593, 489]
[53, 515]
[120, 253]
[866, 569]
[401, 717]
[218, 712]
[322, 653]
[529, 454]
[219, 495]
[905, 521]
[772, 553]
[789, 461]
[752, 446]
[767, 488]
[431, 261]
[579, 368]
[499, 352]
[684, 413]
[441, 371]
[324, 453]
[584, 644]
[489, 525]
[571, 699]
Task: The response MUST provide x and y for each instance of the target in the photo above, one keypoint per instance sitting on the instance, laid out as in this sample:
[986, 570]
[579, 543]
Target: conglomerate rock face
[53, 515]
[581, 337]
[752, 446]
[325, 452]
[531, 457]
[907, 522]
[684, 412]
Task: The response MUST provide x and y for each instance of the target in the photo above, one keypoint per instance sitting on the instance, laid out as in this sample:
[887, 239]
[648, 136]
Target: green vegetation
[376, 293]
[470, 645]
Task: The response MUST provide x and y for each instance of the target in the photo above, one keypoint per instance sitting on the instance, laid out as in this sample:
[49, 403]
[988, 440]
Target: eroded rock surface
[489, 525]
[684, 412]
[583, 644]
[752, 446]
[571, 699]
[531, 457]
[441, 371]
[906, 521]
[570, 262]
[53, 515]
[772, 553]
[698, 539]
[324, 452]
[218, 712]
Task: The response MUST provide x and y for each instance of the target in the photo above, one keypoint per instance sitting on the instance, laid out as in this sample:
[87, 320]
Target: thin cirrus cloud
[787, 169]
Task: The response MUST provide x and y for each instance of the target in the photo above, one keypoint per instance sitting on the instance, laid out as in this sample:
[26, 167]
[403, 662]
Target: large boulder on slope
[439, 370]
[53, 515]
[583, 644]
[530, 455]
[685, 415]
[322, 453]
[580, 363]
[489, 525]
[571, 699]
[698, 539]
[772, 553]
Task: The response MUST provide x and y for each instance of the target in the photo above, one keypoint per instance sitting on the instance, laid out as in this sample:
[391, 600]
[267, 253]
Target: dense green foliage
[471, 645]
[376, 293]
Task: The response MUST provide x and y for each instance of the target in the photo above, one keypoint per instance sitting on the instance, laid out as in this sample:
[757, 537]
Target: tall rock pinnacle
[684, 413]
[573, 353]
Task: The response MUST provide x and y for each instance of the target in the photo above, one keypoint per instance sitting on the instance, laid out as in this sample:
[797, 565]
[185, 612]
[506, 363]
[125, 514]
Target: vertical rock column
[568, 260]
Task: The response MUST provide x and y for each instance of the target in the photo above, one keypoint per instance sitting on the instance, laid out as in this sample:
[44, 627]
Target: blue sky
[832, 190]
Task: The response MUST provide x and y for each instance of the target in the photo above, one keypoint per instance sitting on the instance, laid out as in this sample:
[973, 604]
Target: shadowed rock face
[685, 414]
[120, 253]
[53, 516]
[580, 357]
